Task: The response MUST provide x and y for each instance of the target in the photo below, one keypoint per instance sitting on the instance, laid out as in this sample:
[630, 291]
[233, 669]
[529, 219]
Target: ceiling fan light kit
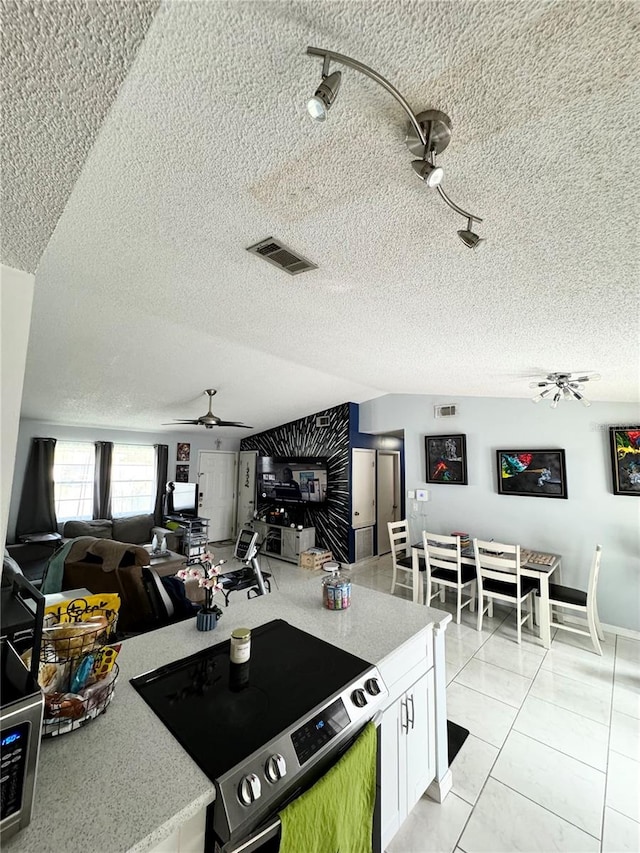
[563, 386]
[209, 421]
[428, 134]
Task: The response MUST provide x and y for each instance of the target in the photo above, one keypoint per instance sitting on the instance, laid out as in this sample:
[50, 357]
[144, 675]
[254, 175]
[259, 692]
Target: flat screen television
[182, 499]
[292, 479]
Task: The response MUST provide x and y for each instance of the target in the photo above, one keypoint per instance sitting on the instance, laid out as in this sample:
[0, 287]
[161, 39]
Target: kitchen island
[123, 783]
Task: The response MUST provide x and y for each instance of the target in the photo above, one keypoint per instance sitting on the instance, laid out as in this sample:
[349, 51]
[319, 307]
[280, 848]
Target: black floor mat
[456, 736]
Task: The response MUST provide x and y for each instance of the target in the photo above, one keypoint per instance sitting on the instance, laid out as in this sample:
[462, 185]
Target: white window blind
[73, 466]
[133, 484]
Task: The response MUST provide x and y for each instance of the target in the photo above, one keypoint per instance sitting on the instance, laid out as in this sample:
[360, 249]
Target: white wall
[592, 513]
[205, 440]
[16, 297]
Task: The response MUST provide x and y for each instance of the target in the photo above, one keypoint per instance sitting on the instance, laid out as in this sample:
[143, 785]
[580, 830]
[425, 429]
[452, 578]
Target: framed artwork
[534, 473]
[182, 473]
[625, 460]
[184, 450]
[446, 457]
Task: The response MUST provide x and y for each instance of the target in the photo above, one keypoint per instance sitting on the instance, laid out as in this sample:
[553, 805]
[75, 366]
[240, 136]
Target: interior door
[363, 487]
[388, 495]
[217, 490]
[246, 489]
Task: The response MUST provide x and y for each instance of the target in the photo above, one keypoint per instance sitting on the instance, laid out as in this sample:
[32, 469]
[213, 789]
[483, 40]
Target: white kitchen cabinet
[407, 753]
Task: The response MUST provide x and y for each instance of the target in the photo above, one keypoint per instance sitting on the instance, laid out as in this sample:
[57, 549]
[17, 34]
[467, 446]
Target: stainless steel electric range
[265, 731]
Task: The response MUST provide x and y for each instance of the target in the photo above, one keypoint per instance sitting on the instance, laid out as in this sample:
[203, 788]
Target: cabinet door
[420, 756]
[363, 488]
[289, 543]
[393, 734]
[306, 539]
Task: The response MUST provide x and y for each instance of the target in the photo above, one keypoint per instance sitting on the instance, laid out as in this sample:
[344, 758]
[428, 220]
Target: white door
[217, 490]
[388, 495]
[246, 487]
[363, 488]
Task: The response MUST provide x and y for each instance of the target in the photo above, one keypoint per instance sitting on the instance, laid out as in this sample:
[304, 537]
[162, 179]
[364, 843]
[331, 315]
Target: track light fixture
[428, 134]
[324, 96]
[565, 385]
[468, 237]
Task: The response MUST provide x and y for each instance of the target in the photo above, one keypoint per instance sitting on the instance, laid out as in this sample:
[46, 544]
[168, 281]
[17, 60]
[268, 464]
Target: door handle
[411, 719]
[404, 723]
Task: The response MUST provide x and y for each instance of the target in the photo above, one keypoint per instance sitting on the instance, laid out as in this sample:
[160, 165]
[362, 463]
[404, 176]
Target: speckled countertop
[123, 783]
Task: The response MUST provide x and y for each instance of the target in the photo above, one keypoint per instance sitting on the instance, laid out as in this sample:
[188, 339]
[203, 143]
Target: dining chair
[403, 560]
[498, 575]
[581, 602]
[444, 569]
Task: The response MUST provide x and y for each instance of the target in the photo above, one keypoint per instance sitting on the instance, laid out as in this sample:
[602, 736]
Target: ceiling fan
[563, 385]
[210, 420]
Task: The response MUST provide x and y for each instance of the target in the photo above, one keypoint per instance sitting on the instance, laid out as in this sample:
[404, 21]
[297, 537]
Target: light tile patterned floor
[552, 761]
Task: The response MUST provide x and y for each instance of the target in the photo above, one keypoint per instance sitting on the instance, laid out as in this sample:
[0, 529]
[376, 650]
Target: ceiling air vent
[444, 411]
[281, 256]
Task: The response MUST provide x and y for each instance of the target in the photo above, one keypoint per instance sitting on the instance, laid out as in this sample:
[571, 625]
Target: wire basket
[78, 673]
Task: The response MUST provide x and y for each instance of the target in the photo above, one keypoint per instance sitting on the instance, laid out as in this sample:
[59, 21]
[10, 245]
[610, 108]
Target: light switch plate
[422, 495]
[411, 495]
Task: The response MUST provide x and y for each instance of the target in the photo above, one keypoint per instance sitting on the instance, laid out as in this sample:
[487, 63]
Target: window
[133, 484]
[73, 479]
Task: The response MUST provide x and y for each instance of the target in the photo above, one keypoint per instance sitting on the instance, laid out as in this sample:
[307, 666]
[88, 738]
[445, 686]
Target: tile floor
[552, 762]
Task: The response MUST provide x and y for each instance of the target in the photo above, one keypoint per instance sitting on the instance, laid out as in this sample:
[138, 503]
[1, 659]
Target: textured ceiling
[61, 64]
[146, 295]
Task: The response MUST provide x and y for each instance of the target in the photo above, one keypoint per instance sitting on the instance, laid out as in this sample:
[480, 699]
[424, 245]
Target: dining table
[539, 565]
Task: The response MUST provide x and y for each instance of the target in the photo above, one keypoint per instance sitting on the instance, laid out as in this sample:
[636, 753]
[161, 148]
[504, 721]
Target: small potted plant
[206, 573]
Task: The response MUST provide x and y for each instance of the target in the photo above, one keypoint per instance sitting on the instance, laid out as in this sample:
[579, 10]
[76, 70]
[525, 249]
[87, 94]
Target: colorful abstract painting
[534, 473]
[625, 460]
[446, 457]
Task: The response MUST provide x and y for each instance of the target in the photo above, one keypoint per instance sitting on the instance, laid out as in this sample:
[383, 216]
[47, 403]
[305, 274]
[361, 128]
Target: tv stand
[285, 543]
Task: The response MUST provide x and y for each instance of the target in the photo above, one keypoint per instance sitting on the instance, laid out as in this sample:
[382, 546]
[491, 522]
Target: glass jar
[240, 650]
[336, 591]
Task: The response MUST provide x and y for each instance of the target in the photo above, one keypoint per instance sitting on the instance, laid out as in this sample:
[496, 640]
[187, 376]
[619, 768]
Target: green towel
[52, 580]
[336, 815]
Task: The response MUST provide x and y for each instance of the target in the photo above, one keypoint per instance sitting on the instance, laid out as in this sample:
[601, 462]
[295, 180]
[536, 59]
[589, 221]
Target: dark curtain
[162, 467]
[102, 479]
[37, 512]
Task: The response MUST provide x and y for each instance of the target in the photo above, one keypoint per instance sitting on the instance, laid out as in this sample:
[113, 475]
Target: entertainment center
[285, 543]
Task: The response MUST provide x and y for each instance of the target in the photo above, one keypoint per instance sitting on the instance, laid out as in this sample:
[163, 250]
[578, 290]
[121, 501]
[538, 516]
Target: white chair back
[593, 575]
[442, 552]
[497, 561]
[399, 539]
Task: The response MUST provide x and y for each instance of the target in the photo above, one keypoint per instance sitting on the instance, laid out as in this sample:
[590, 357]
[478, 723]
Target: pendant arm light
[455, 207]
[329, 55]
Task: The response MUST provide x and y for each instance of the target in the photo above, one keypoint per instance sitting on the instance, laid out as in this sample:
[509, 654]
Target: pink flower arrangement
[206, 573]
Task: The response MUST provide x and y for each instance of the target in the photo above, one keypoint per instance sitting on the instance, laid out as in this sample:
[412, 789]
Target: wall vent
[364, 543]
[445, 411]
[322, 421]
[281, 256]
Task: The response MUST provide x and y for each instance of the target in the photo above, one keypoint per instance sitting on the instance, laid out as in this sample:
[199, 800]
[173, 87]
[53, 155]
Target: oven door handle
[252, 842]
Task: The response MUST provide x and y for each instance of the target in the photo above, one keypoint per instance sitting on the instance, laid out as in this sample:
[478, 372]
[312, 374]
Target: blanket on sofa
[108, 550]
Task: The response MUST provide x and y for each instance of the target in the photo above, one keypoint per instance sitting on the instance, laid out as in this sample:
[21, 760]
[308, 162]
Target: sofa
[32, 557]
[133, 529]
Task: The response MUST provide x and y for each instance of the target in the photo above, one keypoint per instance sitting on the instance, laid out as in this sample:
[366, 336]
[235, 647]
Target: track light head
[319, 105]
[469, 237]
[430, 174]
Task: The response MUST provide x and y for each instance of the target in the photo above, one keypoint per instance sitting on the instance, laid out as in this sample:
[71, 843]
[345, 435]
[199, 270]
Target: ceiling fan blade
[176, 421]
[235, 424]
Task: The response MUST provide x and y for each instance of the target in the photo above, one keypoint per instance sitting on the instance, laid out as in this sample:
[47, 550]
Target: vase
[206, 620]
